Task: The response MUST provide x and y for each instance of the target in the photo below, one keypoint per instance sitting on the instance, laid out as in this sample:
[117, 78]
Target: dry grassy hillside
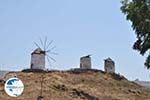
[78, 85]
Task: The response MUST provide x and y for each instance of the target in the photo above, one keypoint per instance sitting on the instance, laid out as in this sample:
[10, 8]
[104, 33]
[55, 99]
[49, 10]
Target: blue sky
[78, 28]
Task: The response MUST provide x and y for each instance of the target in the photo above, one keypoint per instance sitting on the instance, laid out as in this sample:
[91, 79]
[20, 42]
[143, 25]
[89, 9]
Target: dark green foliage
[138, 12]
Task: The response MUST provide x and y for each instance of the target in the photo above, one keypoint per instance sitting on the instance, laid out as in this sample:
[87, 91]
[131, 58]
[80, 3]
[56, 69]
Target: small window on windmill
[41, 54]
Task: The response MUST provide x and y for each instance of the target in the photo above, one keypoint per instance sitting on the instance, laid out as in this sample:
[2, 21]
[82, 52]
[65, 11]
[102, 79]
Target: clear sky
[78, 28]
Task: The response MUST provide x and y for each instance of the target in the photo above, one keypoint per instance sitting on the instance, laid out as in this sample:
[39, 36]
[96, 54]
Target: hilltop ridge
[78, 85]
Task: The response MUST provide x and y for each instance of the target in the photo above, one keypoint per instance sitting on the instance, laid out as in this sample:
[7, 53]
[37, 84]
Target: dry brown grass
[88, 85]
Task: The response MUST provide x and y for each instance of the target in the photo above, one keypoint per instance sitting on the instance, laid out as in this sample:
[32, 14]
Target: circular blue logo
[14, 87]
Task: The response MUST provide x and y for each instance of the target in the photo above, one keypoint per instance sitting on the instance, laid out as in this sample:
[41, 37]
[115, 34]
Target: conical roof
[108, 59]
[38, 51]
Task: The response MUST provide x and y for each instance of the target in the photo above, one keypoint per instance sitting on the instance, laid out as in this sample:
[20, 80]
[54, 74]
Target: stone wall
[85, 62]
[38, 59]
[109, 65]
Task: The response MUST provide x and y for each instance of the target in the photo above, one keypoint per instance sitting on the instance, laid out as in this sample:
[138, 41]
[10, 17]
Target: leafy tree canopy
[138, 12]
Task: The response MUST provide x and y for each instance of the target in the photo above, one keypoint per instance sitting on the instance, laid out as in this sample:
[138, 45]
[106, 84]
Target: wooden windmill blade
[48, 61]
[51, 58]
[42, 43]
[47, 49]
[37, 45]
[45, 42]
[49, 44]
[50, 50]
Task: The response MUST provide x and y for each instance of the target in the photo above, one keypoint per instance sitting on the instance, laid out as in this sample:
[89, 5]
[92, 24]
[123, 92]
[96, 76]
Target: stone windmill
[41, 53]
[85, 62]
[109, 65]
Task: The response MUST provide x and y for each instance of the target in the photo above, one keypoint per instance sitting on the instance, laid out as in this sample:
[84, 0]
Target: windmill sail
[42, 55]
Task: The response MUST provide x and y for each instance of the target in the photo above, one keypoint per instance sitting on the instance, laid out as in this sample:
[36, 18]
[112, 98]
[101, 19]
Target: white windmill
[41, 53]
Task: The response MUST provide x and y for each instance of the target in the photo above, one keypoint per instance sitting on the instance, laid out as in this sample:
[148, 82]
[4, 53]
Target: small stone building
[109, 65]
[38, 59]
[85, 62]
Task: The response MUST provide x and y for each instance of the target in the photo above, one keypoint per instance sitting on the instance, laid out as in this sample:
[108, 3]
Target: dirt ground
[70, 85]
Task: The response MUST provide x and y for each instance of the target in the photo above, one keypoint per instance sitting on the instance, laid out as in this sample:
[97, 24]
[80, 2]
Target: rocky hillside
[77, 85]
